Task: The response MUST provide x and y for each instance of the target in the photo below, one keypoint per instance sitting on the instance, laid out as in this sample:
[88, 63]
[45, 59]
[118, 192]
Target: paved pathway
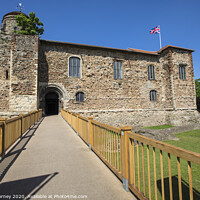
[57, 163]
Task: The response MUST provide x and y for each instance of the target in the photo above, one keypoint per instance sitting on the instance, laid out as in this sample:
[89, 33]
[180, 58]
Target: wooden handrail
[121, 151]
[83, 118]
[112, 128]
[176, 151]
[12, 119]
[14, 128]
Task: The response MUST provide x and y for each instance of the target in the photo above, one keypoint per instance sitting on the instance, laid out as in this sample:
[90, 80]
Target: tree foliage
[29, 26]
[197, 86]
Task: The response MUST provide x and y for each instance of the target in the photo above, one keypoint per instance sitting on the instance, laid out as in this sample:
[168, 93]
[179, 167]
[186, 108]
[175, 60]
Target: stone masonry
[18, 67]
[38, 67]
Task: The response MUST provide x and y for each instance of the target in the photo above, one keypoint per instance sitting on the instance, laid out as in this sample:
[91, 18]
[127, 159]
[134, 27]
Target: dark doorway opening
[51, 103]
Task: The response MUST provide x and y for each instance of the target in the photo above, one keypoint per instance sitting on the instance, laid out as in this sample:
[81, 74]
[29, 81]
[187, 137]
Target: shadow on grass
[28, 187]
[16, 150]
[175, 189]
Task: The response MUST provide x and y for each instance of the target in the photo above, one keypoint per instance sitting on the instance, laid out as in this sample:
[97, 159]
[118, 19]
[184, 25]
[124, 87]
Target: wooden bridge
[44, 159]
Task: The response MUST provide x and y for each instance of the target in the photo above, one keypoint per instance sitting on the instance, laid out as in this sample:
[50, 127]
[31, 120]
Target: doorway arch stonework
[53, 89]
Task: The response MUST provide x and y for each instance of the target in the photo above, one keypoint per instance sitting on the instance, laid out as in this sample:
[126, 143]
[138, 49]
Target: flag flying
[155, 30]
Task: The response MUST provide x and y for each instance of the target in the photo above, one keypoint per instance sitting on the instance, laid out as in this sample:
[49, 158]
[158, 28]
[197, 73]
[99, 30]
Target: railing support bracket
[125, 184]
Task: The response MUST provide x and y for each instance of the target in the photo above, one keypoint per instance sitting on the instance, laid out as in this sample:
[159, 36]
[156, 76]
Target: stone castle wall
[126, 100]
[24, 73]
[30, 68]
[5, 46]
[97, 81]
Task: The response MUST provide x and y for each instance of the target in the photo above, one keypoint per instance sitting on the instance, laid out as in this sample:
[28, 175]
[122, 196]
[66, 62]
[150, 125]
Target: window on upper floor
[182, 72]
[74, 67]
[118, 70]
[151, 72]
[79, 97]
[6, 74]
[153, 95]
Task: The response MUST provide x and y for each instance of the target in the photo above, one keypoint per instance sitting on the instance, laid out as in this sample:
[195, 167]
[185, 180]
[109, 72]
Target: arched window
[153, 95]
[151, 72]
[79, 97]
[118, 71]
[74, 67]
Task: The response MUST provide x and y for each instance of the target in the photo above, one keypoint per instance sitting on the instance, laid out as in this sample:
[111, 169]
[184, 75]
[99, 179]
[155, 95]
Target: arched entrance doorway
[51, 103]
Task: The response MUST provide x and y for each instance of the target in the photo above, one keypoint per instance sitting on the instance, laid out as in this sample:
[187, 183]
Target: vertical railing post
[124, 155]
[77, 124]
[37, 114]
[67, 116]
[30, 119]
[40, 116]
[91, 140]
[3, 137]
[22, 124]
[71, 118]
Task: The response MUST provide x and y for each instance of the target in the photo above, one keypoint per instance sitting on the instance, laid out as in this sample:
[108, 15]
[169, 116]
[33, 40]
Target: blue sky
[118, 23]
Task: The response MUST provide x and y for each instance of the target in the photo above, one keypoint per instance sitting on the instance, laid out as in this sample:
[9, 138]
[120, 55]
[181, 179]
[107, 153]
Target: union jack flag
[155, 30]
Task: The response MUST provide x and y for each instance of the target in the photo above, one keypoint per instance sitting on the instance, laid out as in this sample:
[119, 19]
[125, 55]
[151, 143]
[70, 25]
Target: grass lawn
[188, 140]
[159, 127]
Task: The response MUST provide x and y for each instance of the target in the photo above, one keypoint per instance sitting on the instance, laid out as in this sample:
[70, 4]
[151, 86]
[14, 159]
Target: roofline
[101, 47]
[143, 51]
[175, 47]
[129, 50]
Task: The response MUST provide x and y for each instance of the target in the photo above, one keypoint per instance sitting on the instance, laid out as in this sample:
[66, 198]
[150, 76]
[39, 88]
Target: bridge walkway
[55, 162]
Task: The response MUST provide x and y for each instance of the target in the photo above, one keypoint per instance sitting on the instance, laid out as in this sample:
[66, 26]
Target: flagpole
[160, 39]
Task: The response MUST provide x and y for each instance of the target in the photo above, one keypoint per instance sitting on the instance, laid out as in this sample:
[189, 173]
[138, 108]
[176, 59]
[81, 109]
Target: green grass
[159, 127]
[188, 140]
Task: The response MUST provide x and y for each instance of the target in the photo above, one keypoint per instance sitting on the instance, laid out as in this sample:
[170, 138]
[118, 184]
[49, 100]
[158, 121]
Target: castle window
[6, 74]
[182, 72]
[15, 28]
[79, 97]
[118, 71]
[153, 95]
[151, 72]
[74, 67]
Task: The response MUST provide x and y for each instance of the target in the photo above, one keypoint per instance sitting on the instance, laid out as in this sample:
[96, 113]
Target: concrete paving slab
[57, 164]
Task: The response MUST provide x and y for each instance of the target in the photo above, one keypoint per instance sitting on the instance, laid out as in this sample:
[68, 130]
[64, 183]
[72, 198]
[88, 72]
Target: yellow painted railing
[107, 144]
[140, 162]
[1, 136]
[153, 165]
[12, 129]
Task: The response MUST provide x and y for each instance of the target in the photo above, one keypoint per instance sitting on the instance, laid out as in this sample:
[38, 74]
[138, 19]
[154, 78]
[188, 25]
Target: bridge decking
[57, 162]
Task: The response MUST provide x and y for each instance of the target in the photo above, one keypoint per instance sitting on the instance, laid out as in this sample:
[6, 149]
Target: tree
[30, 25]
[197, 86]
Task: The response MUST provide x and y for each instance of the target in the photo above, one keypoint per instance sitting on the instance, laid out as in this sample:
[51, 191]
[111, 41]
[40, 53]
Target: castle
[126, 86]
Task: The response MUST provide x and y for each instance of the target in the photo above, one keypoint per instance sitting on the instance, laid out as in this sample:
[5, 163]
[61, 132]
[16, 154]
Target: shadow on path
[24, 188]
[16, 150]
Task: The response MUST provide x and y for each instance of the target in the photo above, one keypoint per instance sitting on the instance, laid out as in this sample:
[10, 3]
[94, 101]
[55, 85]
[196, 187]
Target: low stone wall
[182, 117]
[142, 118]
[127, 117]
